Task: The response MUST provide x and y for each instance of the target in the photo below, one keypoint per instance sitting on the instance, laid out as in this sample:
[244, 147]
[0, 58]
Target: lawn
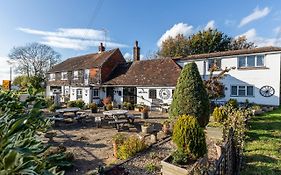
[263, 144]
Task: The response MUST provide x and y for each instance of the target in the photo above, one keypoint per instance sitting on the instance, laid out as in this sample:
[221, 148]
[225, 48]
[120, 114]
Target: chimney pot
[101, 48]
[136, 51]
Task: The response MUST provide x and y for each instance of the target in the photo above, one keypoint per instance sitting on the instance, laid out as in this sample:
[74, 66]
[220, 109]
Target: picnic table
[64, 110]
[116, 115]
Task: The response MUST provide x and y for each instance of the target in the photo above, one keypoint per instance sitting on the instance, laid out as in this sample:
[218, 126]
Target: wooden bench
[118, 124]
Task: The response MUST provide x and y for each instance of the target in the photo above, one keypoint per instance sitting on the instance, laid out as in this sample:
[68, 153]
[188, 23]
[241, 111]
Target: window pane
[241, 91]
[96, 93]
[242, 62]
[210, 63]
[260, 60]
[250, 91]
[251, 61]
[234, 90]
[152, 93]
[218, 63]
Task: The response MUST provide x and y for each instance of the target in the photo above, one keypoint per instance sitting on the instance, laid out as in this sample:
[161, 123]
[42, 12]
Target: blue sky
[75, 27]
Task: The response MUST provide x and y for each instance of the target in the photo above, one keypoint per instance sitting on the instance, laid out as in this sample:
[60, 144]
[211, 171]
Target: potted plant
[138, 108]
[166, 127]
[144, 112]
[109, 107]
[146, 128]
[93, 107]
[106, 101]
[117, 140]
[190, 140]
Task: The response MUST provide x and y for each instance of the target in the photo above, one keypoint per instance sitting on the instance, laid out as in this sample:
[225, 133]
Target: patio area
[92, 145]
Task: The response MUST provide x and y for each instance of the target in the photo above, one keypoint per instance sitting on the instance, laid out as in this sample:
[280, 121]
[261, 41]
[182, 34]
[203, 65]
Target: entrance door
[110, 92]
[130, 95]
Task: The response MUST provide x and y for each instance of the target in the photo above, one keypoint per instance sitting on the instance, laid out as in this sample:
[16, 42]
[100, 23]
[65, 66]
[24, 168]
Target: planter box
[170, 169]
[146, 129]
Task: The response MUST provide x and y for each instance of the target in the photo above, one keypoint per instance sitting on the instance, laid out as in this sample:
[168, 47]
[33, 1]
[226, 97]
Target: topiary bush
[189, 136]
[190, 96]
[219, 114]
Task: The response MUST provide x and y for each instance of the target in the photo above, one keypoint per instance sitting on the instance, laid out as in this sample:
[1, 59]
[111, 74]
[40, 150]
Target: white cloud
[255, 15]
[210, 25]
[128, 55]
[73, 38]
[260, 41]
[180, 28]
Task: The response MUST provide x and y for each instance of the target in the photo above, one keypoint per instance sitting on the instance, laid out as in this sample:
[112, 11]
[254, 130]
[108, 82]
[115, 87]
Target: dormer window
[214, 63]
[52, 77]
[75, 75]
[251, 61]
[64, 76]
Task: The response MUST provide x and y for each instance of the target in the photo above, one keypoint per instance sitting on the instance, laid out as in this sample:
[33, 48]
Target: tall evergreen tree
[190, 96]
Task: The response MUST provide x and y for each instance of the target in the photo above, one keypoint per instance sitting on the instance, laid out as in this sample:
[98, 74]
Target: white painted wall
[256, 77]
[143, 95]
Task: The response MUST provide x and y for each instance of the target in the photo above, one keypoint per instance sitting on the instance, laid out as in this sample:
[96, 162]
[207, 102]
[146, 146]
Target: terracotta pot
[166, 128]
[115, 149]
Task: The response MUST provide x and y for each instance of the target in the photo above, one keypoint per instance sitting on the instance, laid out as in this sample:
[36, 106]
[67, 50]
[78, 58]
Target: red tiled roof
[155, 72]
[83, 62]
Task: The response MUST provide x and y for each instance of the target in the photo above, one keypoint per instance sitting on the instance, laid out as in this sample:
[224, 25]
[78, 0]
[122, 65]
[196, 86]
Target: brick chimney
[101, 48]
[136, 51]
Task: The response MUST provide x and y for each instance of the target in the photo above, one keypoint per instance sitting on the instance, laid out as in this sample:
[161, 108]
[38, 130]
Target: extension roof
[154, 73]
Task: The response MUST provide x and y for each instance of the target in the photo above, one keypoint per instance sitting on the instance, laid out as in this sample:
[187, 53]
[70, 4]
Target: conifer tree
[190, 96]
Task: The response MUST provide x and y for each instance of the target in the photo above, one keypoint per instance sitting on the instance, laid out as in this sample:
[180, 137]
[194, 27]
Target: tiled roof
[83, 62]
[231, 52]
[154, 73]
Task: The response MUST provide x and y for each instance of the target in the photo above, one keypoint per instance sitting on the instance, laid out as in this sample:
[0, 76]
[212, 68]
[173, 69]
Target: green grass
[263, 145]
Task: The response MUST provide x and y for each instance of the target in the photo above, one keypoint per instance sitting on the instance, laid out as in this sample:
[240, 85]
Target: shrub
[80, 103]
[53, 107]
[150, 167]
[130, 147]
[109, 107]
[180, 157]
[49, 102]
[92, 106]
[232, 103]
[190, 96]
[76, 103]
[189, 136]
[219, 114]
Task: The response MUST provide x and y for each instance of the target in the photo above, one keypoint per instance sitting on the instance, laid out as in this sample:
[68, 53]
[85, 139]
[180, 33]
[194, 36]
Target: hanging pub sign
[6, 85]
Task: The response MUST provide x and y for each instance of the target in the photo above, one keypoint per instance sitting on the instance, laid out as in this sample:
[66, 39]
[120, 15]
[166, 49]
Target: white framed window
[95, 93]
[75, 75]
[52, 77]
[241, 91]
[64, 76]
[79, 94]
[214, 62]
[251, 61]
